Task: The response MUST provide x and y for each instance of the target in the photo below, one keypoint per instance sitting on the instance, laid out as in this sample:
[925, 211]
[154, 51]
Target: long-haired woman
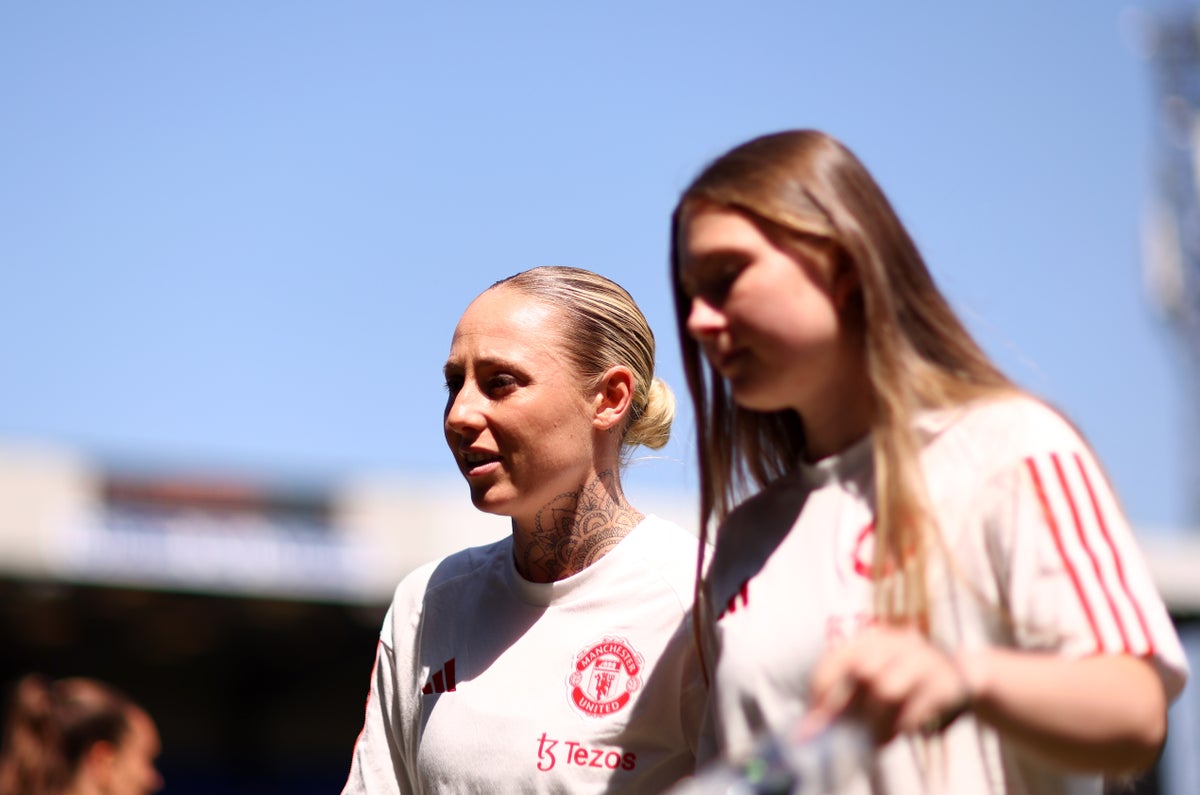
[927, 547]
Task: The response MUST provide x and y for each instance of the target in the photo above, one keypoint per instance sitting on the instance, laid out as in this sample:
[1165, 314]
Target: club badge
[604, 677]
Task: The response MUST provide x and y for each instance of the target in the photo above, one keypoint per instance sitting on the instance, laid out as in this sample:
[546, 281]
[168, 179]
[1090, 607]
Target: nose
[464, 414]
[704, 320]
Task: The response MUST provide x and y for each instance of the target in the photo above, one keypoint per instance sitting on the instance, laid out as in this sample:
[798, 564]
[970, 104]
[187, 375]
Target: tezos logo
[605, 676]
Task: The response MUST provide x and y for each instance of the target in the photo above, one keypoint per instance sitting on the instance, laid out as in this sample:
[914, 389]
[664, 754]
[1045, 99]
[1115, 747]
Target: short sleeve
[1071, 574]
[384, 759]
[377, 765]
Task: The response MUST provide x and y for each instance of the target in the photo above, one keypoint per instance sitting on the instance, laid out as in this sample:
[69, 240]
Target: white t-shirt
[1040, 557]
[486, 682]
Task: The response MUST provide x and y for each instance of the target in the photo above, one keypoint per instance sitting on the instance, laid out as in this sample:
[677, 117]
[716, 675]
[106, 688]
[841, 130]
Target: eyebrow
[491, 360]
[717, 256]
[711, 261]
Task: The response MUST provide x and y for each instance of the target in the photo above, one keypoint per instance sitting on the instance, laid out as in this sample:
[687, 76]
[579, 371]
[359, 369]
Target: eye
[454, 384]
[720, 286]
[500, 384]
[714, 282]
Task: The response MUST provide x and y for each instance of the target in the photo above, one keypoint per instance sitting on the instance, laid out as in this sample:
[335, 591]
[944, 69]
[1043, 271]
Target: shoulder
[667, 552]
[443, 575]
[755, 528]
[664, 543]
[779, 501]
[999, 432]
[665, 534]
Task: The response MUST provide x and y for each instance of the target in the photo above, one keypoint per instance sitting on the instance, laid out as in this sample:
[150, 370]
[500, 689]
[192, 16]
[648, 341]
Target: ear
[613, 398]
[99, 763]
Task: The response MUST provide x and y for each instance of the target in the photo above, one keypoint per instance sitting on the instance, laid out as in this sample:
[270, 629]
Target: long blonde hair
[804, 185]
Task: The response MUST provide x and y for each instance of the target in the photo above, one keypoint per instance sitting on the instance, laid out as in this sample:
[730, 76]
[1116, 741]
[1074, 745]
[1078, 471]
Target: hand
[892, 679]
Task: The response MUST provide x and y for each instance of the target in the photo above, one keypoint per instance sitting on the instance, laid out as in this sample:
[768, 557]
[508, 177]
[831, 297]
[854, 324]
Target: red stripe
[1041, 491]
[450, 683]
[1137, 609]
[1083, 541]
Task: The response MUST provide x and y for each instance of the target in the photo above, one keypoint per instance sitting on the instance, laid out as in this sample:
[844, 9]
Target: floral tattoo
[575, 529]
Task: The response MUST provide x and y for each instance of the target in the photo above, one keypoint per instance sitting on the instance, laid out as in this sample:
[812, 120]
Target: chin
[751, 399]
[484, 499]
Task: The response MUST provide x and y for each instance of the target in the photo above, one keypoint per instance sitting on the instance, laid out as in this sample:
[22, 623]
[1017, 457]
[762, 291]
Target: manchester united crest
[604, 677]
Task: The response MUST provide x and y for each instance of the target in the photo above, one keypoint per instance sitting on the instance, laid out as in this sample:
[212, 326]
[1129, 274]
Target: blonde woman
[928, 548]
[559, 659]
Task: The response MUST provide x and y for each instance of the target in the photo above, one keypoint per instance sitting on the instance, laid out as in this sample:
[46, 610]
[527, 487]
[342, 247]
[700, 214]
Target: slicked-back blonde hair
[804, 186]
[603, 327]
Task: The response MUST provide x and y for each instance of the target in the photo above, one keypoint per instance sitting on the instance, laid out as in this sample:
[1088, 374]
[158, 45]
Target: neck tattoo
[574, 530]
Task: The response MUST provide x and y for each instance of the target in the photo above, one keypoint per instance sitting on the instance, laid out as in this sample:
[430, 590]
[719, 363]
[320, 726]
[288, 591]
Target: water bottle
[779, 765]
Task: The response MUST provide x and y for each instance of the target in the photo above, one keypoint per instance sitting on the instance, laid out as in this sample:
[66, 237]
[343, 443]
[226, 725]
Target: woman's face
[133, 771]
[766, 318]
[517, 419]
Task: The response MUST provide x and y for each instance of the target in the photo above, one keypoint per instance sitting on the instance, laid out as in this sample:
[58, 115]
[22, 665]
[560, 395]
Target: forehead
[715, 239]
[504, 323]
[143, 731]
[709, 230]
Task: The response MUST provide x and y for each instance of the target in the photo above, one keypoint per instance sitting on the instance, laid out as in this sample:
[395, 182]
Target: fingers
[856, 679]
[890, 678]
[836, 682]
[953, 697]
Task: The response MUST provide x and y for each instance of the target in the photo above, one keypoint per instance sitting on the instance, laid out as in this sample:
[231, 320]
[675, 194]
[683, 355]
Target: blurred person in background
[561, 658]
[76, 736]
[931, 550]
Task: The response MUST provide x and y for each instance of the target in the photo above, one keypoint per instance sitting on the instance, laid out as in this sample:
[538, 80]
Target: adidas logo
[442, 681]
[738, 600]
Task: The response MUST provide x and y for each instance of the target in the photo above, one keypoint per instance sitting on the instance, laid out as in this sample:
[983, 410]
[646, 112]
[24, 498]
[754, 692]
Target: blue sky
[235, 237]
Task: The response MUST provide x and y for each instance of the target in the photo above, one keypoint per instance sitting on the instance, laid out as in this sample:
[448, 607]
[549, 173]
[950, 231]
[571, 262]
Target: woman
[76, 737]
[932, 551]
[559, 659]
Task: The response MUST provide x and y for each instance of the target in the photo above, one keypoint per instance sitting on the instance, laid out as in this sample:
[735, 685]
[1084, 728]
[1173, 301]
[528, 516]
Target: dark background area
[250, 695]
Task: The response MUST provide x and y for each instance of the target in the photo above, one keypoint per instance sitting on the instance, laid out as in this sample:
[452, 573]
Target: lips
[723, 361]
[475, 463]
